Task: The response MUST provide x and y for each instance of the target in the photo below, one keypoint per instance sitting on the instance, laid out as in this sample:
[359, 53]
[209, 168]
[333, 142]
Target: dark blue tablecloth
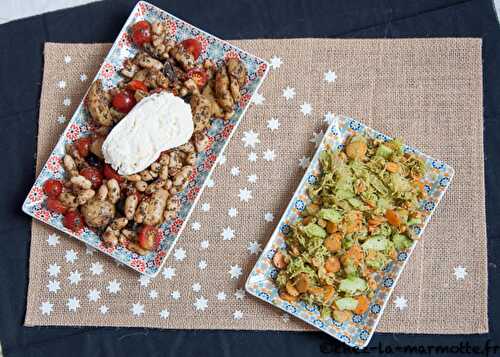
[21, 65]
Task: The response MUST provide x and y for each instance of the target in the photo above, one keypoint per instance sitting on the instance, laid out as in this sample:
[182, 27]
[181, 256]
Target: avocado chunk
[401, 242]
[346, 303]
[384, 151]
[330, 214]
[352, 285]
[376, 243]
[314, 230]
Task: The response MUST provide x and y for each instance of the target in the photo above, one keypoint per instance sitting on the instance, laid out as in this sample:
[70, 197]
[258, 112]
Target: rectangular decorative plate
[219, 135]
[358, 331]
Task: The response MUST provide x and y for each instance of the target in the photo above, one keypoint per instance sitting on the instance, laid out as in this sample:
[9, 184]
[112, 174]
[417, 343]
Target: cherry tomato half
[149, 237]
[141, 32]
[73, 220]
[110, 173]
[55, 205]
[199, 76]
[82, 146]
[93, 175]
[137, 85]
[123, 101]
[52, 188]
[193, 46]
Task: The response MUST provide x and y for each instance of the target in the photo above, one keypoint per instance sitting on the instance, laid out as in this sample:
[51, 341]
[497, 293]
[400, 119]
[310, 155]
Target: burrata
[157, 123]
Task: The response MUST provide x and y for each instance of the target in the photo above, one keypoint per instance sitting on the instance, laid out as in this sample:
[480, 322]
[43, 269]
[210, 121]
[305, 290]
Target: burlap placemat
[428, 92]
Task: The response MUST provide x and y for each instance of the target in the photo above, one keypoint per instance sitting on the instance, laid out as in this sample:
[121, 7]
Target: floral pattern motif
[107, 70]
[54, 163]
[214, 49]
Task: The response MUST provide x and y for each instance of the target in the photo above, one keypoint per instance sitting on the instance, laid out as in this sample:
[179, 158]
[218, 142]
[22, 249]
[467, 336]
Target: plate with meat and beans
[127, 171]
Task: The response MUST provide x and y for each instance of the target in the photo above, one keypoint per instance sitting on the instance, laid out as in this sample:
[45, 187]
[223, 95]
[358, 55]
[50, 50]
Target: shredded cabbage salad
[360, 216]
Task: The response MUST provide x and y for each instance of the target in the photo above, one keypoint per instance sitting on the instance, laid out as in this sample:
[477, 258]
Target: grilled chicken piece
[183, 57]
[98, 104]
[237, 70]
[150, 210]
[222, 92]
[97, 213]
[201, 108]
[146, 61]
[208, 93]
[152, 78]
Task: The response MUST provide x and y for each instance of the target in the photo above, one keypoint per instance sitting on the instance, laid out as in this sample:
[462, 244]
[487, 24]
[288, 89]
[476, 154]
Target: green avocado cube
[314, 230]
[401, 242]
[376, 243]
[352, 285]
[330, 214]
[384, 151]
[346, 303]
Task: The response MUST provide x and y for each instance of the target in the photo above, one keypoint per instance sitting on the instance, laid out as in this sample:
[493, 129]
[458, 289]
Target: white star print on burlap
[270, 150]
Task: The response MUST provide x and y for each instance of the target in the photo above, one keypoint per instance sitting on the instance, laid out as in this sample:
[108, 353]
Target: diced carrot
[392, 167]
[313, 208]
[315, 290]
[363, 304]
[279, 260]
[333, 242]
[332, 265]
[291, 290]
[285, 296]
[328, 292]
[356, 150]
[393, 217]
[302, 283]
[331, 227]
[353, 255]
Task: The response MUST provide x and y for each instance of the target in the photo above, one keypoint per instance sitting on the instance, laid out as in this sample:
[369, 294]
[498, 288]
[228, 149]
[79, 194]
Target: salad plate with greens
[344, 239]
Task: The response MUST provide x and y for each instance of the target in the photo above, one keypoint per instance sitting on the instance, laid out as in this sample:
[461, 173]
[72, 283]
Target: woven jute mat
[426, 91]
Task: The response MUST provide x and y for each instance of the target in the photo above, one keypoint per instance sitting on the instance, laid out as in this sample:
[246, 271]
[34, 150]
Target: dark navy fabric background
[21, 66]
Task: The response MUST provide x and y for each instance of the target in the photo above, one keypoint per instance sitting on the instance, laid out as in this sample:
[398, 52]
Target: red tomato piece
[149, 237]
[141, 33]
[93, 175]
[73, 220]
[137, 85]
[193, 46]
[55, 205]
[123, 101]
[199, 76]
[110, 173]
[52, 188]
[82, 146]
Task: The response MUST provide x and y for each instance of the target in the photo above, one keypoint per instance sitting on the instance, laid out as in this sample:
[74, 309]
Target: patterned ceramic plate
[358, 331]
[219, 134]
